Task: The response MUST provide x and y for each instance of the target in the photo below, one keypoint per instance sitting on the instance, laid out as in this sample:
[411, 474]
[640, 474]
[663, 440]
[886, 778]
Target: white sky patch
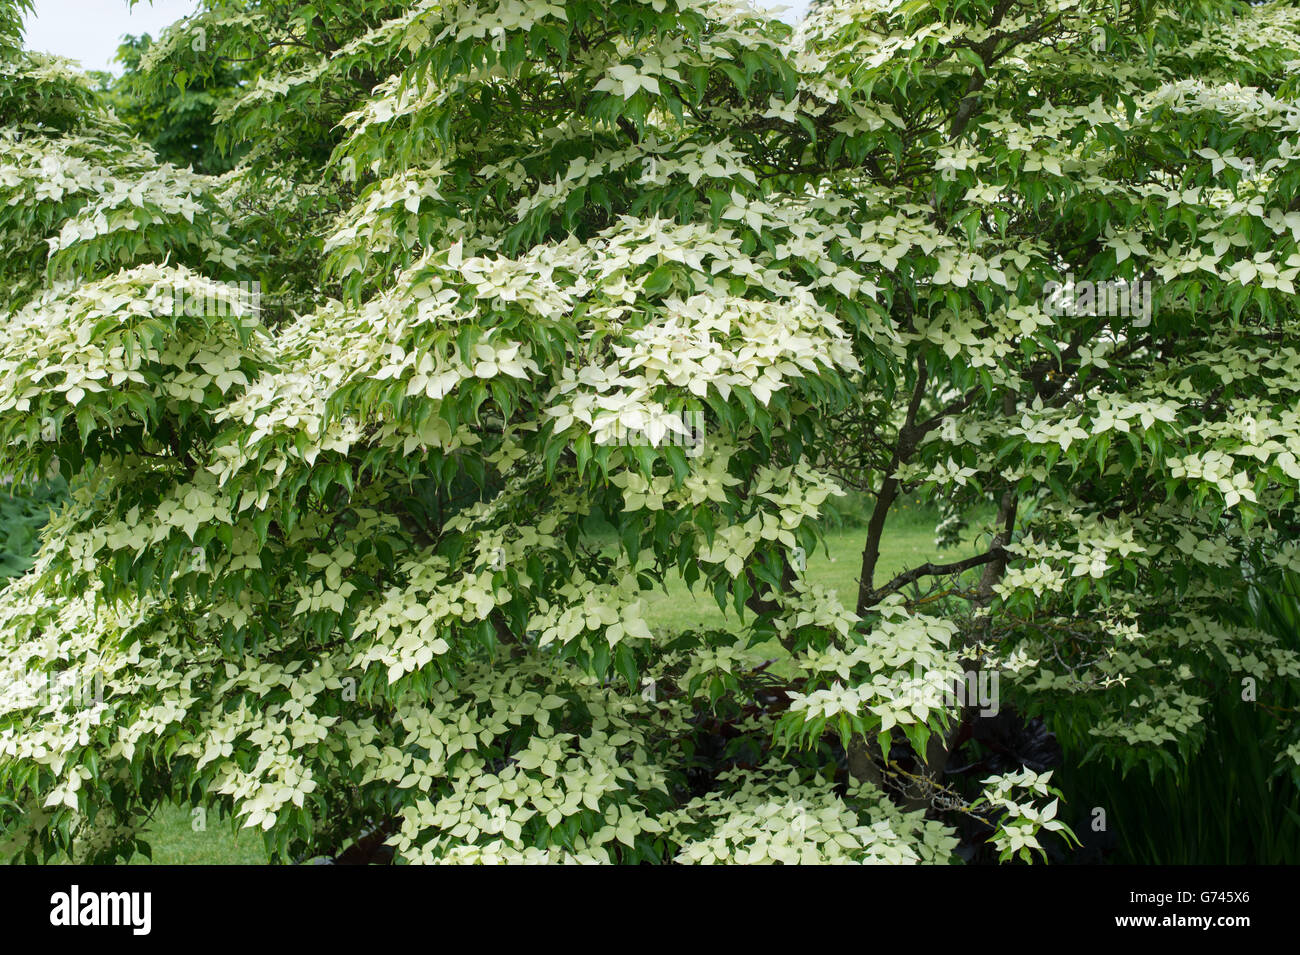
[793, 9]
[91, 30]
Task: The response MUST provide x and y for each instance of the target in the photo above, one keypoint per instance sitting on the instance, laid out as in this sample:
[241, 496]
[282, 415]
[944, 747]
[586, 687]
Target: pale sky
[90, 30]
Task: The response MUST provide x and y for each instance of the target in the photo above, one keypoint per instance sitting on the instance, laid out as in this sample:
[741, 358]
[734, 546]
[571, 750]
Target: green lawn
[174, 842]
[908, 541]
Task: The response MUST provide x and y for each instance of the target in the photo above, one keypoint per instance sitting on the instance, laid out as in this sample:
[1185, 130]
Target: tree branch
[935, 570]
[907, 440]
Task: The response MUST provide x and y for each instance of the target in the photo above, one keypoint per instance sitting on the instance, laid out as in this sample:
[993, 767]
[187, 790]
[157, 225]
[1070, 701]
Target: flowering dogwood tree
[556, 300]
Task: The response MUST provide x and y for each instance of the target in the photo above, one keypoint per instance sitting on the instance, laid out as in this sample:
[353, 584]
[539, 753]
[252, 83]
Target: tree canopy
[508, 311]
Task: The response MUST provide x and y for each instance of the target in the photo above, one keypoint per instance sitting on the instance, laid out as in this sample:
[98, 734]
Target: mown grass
[174, 841]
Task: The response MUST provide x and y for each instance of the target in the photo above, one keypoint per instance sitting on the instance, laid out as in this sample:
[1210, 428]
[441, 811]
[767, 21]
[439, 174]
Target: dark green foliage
[175, 119]
[1227, 804]
[22, 515]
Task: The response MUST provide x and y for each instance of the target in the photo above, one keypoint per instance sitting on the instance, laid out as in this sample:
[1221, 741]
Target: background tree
[177, 119]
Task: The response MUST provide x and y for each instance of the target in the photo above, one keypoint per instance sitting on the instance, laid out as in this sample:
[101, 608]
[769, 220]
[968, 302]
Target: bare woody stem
[908, 436]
